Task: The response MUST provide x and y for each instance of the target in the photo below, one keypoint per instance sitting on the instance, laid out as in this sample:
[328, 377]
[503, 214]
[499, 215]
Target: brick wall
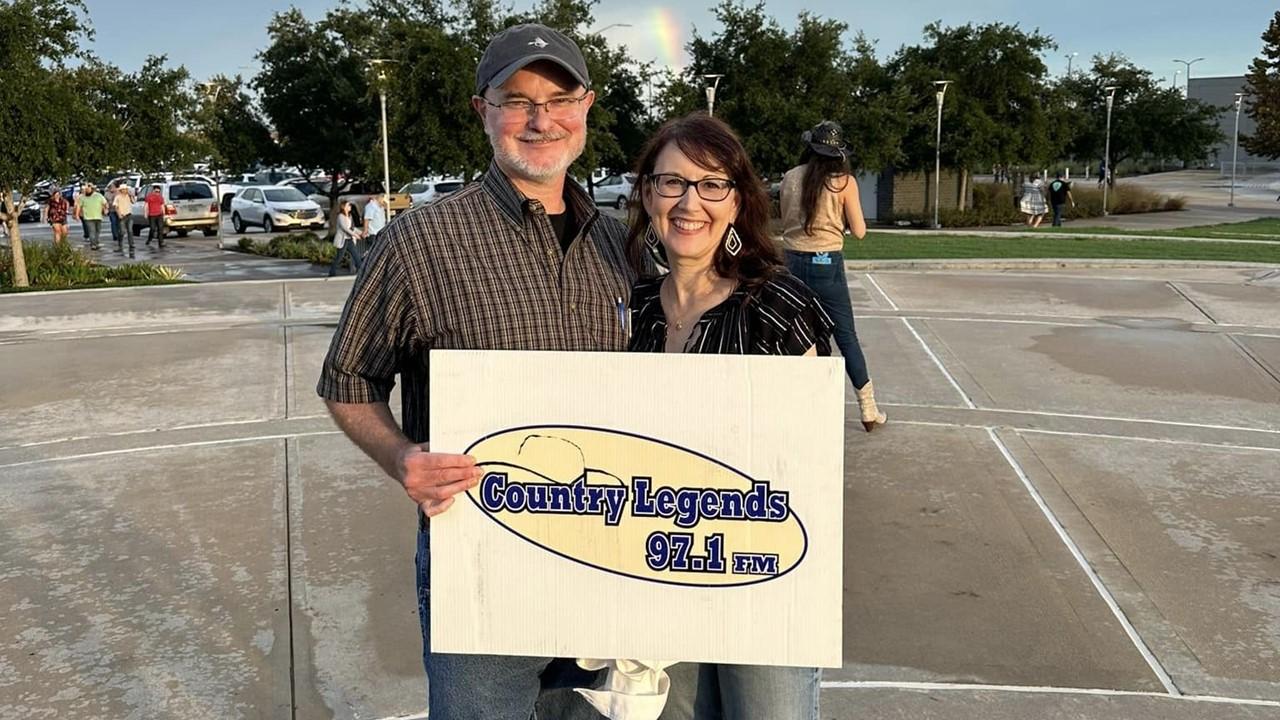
[911, 193]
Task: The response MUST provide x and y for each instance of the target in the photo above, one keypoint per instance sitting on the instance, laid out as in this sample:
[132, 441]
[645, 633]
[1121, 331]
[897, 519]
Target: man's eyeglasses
[711, 189]
[561, 108]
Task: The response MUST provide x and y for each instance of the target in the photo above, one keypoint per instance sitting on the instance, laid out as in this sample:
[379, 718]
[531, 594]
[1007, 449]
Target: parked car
[273, 207]
[357, 191]
[189, 205]
[424, 191]
[28, 210]
[615, 190]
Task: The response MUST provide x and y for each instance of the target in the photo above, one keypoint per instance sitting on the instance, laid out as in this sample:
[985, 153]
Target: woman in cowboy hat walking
[819, 203]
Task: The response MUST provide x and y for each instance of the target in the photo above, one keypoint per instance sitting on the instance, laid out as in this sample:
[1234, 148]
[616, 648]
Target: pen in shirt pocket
[624, 318]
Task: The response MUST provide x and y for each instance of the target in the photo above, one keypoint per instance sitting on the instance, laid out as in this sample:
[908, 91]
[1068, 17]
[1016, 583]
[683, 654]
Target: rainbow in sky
[670, 36]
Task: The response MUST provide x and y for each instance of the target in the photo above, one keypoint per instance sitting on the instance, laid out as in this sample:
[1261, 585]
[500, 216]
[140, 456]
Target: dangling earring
[732, 242]
[651, 239]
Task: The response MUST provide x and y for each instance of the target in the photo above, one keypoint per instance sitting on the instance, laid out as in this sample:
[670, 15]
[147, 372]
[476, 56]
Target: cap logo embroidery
[538, 43]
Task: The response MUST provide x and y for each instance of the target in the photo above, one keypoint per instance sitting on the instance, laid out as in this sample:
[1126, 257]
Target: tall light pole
[386, 163]
[1106, 158]
[1071, 57]
[940, 92]
[1188, 63]
[714, 79]
[211, 90]
[1235, 150]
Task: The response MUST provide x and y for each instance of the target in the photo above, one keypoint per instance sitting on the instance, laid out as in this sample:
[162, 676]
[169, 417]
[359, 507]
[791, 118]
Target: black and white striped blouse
[782, 316]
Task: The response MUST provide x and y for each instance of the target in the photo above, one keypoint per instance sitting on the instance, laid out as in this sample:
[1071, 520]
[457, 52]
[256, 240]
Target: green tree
[237, 138]
[1263, 100]
[150, 107]
[994, 111]
[49, 129]
[776, 83]
[314, 87]
[1149, 122]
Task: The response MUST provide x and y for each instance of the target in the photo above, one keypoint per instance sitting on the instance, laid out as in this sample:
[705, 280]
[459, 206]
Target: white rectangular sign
[642, 506]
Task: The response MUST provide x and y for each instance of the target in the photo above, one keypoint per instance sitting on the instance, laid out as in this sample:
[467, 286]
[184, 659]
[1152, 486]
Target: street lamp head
[609, 27]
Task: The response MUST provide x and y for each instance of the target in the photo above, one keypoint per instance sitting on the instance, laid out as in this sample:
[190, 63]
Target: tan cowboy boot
[871, 415]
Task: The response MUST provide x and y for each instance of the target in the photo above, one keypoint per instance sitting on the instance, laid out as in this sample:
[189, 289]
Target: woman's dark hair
[820, 171]
[712, 144]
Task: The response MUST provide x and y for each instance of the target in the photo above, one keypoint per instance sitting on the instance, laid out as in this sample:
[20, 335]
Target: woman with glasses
[819, 204]
[703, 213]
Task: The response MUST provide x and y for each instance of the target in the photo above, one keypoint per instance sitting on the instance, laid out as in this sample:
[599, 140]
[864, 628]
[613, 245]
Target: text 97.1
[671, 551]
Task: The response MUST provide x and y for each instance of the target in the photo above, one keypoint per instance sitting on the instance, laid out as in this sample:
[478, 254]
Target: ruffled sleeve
[790, 319]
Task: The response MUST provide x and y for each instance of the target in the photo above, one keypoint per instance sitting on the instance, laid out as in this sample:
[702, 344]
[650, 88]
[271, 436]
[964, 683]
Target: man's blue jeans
[741, 692]
[1057, 215]
[492, 687]
[827, 281]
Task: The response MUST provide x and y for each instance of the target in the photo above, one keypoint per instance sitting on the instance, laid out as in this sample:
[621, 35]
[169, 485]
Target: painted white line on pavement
[145, 431]
[417, 716]
[950, 378]
[1105, 436]
[1077, 416]
[1161, 674]
[892, 305]
[971, 687]
[1100, 436]
[173, 446]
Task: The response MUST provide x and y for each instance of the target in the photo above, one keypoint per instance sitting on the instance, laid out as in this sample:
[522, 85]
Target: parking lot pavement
[1072, 513]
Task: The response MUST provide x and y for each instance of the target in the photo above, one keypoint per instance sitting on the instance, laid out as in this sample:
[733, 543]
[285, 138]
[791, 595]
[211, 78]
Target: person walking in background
[122, 212]
[56, 210]
[155, 216]
[345, 239]
[112, 217]
[1032, 202]
[1059, 195]
[1102, 172]
[819, 201]
[77, 192]
[375, 218]
[91, 208]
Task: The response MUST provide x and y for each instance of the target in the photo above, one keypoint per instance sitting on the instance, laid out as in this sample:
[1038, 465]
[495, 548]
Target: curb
[1045, 264]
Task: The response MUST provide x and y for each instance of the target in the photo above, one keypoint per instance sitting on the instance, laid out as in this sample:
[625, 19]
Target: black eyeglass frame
[697, 185]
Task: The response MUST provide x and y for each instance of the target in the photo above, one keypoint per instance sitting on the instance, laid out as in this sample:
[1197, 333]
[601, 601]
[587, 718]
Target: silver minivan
[188, 205]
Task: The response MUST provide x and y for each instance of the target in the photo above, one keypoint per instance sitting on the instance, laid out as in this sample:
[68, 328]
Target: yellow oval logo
[636, 506]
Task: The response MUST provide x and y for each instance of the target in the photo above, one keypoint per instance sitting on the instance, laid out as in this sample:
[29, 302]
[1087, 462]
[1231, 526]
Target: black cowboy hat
[826, 138]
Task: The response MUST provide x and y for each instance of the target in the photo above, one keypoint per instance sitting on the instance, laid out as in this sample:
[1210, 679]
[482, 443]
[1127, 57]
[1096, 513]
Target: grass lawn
[891, 246]
[1261, 229]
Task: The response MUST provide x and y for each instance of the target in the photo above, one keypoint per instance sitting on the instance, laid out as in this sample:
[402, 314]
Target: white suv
[273, 207]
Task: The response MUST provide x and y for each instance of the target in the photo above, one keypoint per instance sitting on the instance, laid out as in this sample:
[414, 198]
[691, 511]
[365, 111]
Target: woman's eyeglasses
[669, 185]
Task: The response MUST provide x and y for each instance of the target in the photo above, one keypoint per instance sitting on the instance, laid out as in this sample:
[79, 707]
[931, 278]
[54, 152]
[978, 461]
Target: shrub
[996, 204]
[61, 266]
[294, 246]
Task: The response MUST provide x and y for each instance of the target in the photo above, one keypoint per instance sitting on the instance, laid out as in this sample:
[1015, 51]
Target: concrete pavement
[1073, 513]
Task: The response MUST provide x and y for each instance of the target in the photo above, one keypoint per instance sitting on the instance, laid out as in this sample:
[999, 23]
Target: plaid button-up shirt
[479, 270]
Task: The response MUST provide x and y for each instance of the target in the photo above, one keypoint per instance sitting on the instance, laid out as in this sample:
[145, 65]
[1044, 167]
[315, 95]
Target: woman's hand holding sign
[433, 479]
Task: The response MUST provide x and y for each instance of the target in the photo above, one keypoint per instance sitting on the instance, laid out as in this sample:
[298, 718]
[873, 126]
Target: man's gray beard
[519, 166]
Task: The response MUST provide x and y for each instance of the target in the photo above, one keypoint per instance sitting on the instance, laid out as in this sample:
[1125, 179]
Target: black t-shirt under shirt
[564, 225]
[1058, 190]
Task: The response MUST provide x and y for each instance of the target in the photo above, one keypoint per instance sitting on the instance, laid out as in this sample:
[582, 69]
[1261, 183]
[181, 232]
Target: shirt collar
[513, 203]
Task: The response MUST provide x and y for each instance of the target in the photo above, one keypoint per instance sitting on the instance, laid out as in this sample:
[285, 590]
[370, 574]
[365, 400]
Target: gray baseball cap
[520, 45]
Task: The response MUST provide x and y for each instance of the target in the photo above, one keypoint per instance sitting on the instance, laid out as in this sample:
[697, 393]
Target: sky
[223, 36]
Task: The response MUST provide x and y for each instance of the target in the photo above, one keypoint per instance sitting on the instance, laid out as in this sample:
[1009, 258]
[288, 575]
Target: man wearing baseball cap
[520, 260]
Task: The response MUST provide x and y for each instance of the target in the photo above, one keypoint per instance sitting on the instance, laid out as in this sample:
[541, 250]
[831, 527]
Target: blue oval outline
[804, 533]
